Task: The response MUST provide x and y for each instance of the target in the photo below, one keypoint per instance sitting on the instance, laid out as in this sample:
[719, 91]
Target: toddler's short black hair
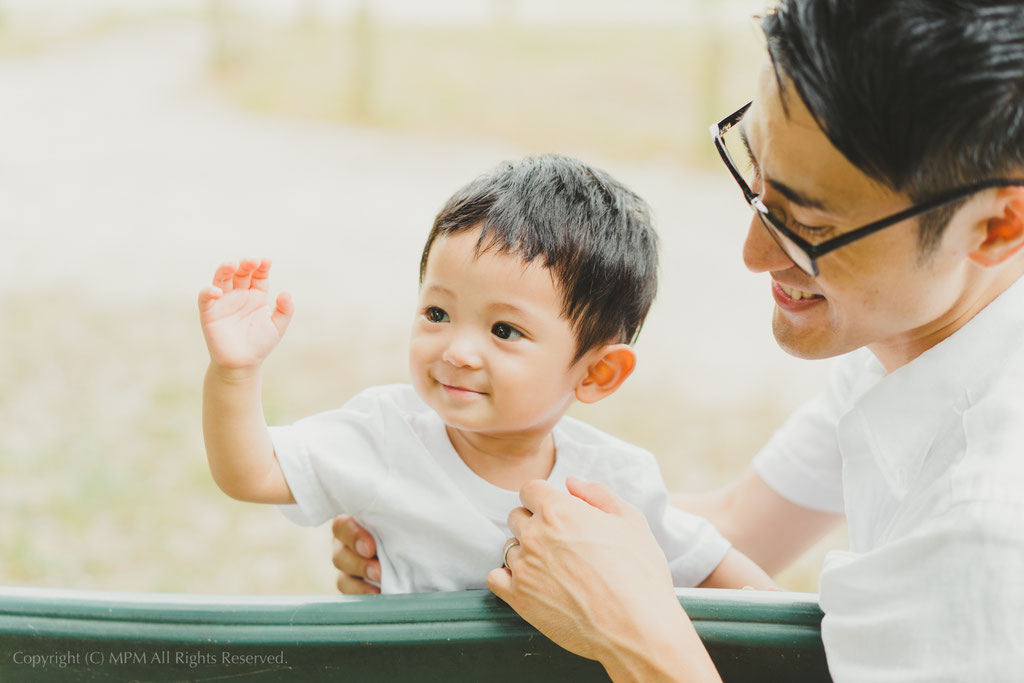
[593, 233]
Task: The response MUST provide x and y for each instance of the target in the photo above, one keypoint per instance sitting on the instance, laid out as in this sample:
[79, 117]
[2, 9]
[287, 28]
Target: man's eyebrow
[793, 195]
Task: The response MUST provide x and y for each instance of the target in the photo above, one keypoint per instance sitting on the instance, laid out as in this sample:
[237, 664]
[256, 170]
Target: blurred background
[142, 144]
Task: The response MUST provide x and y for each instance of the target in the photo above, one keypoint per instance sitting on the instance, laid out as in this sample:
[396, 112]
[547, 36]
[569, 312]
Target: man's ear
[1003, 233]
[607, 368]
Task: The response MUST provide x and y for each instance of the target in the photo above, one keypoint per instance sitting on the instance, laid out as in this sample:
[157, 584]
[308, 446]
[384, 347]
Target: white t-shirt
[927, 463]
[385, 458]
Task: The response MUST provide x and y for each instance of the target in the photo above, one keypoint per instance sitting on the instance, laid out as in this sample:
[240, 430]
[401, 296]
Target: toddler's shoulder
[599, 450]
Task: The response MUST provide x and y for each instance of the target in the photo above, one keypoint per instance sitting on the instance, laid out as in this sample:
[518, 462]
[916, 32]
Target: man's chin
[808, 346]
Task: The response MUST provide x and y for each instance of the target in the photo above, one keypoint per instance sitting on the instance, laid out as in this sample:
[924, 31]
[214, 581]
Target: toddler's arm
[241, 326]
[736, 570]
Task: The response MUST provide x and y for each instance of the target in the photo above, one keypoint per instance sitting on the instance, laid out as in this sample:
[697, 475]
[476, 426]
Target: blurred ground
[135, 159]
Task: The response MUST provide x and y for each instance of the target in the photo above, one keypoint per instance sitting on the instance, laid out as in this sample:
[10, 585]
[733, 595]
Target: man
[883, 156]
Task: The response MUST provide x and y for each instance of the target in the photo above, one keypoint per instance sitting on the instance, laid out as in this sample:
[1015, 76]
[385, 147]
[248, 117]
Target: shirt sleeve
[335, 462]
[692, 545]
[802, 462]
[942, 604]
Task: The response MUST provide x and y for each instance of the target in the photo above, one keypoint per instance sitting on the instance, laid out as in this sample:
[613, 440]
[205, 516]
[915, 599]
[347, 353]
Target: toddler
[534, 281]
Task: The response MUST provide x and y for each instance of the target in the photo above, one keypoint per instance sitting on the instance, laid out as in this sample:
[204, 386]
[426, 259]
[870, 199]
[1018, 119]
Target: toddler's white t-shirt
[385, 458]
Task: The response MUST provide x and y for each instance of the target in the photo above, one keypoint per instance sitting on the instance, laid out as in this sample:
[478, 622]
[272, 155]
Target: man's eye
[505, 331]
[752, 173]
[812, 232]
[435, 314]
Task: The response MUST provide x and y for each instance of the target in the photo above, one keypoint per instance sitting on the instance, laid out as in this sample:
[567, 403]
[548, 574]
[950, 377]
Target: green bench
[71, 635]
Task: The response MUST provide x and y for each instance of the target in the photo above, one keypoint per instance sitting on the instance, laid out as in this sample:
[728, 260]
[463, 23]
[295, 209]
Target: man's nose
[463, 351]
[761, 253]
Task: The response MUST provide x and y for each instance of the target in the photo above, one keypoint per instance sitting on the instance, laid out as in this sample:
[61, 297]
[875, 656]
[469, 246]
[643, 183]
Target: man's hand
[355, 556]
[240, 323]
[590, 576]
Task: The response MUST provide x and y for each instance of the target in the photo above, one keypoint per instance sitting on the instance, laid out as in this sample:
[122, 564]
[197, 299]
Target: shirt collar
[904, 411]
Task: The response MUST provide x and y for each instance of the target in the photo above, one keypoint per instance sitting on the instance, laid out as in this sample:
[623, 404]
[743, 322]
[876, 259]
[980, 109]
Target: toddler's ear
[607, 368]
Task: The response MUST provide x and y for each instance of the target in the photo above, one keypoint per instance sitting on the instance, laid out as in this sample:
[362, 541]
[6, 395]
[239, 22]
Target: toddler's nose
[462, 352]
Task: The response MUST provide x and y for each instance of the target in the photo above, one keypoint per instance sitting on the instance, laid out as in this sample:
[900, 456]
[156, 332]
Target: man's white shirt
[385, 458]
[927, 463]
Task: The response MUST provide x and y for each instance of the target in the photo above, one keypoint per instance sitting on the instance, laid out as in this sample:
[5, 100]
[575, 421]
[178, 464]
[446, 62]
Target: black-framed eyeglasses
[803, 253]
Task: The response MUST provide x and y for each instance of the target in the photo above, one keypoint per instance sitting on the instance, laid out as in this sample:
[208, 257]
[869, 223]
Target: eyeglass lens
[740, 157]
[797, 255]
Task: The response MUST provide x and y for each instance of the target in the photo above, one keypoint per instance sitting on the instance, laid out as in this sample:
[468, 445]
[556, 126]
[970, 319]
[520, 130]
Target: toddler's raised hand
[240, 322]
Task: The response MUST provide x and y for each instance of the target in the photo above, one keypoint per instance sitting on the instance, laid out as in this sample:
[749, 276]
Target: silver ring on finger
[509, 544]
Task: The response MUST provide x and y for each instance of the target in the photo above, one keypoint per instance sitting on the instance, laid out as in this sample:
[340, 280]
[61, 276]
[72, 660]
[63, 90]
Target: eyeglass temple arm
[930, 205]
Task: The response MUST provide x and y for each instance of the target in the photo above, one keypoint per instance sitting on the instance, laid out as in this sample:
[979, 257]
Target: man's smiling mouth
[798, 294]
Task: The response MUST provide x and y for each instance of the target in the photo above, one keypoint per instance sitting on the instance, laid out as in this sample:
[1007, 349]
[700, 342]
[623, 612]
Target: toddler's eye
[505, 331]
[435, 314]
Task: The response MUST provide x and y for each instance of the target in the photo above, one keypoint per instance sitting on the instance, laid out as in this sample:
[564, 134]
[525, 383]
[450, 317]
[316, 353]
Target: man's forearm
[673, 652]
[238, 445]
[706, 504]
[769, 529]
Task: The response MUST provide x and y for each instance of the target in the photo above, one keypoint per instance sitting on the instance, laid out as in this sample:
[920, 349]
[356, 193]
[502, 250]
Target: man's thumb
[594, 493]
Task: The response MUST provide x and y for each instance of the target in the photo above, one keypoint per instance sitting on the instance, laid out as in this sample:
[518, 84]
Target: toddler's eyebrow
[497, 305]
[503, 306]
[439, 289]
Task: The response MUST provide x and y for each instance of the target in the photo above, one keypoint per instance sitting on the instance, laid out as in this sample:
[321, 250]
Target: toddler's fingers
[223, 277]
[244, 273]
[261, 276]
[208, 296]
[283, 310]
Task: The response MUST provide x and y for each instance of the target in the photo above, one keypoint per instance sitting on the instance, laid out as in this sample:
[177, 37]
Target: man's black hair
[593, 233]
[921, 95]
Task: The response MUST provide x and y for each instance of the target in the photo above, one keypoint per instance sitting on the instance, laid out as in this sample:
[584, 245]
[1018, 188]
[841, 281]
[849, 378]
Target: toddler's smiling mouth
[459, 391]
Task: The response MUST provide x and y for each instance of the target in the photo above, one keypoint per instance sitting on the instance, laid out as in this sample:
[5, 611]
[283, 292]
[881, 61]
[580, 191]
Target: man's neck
[894, 354]
[507, 461]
